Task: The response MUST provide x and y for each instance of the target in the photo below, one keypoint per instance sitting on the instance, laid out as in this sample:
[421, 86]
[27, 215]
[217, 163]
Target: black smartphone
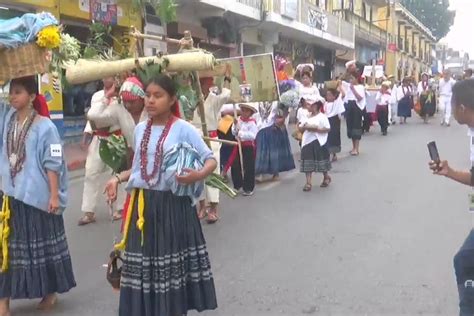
[433, 150]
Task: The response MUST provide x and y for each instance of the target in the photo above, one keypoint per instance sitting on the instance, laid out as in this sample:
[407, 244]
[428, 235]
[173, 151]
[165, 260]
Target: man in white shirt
[106, 117]
[445, 94]
[212, 111]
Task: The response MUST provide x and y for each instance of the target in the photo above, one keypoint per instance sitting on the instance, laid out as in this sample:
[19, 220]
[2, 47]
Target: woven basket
[26, 60]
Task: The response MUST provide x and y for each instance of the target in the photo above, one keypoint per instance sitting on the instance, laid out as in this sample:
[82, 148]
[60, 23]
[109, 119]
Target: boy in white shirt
[445, 94]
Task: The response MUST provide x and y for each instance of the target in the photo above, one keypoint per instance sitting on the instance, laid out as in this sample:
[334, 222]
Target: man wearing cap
[212, 111]
[445, 94]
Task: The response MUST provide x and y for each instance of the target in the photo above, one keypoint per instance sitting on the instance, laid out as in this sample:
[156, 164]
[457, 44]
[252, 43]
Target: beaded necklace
[153, 178]
[16, 142]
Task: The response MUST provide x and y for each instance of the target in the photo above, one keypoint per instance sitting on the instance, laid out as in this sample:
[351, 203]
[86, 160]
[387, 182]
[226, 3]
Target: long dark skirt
[315, 158]
[427, 108]
[404, 106]
[382, 116]
[39, 260]
[354, 120]
[273, 151]
[170, 273]
[334, 136]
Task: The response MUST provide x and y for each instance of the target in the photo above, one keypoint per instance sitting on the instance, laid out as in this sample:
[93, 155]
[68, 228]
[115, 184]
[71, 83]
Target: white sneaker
[247, 193]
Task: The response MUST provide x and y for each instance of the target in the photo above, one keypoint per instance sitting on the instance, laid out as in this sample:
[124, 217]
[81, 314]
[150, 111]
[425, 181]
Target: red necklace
[153, 178]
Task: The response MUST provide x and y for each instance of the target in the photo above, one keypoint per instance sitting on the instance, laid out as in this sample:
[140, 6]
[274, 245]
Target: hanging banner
[105, 11]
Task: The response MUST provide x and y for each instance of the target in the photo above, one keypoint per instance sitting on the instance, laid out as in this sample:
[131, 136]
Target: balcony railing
[333, 24]
[256, 4]
[364, 29]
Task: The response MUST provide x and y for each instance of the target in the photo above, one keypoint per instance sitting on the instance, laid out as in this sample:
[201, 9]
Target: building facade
[370, 39]
[410, 43]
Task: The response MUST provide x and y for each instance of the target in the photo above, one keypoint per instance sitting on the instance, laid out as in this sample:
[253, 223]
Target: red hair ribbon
[41, 106]
[175, 110]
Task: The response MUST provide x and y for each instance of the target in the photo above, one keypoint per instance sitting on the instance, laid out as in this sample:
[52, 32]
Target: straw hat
[350, 63]
[312, 99]
[249, 106]
[387, 83]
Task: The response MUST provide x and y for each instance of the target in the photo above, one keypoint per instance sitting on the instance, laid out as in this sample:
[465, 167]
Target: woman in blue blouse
[35, 260]
[166, 268]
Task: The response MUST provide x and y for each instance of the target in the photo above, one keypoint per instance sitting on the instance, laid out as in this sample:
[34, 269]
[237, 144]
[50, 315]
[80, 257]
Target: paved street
[379, 241]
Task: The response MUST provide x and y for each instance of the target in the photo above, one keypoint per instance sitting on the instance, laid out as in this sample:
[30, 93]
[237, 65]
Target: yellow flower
[49, 37]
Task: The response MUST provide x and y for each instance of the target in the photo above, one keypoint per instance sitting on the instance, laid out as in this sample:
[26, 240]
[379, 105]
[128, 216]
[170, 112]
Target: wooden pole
[223, 141]
[239, 144]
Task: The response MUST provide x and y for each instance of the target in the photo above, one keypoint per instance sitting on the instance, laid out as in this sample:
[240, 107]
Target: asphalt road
[379, 241]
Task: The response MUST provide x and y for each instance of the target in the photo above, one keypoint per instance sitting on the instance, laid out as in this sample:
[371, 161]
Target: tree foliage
[166, 9]
[434, 14]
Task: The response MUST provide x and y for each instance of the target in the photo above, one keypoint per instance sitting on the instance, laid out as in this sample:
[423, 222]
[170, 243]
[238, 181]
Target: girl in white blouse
[314, 152]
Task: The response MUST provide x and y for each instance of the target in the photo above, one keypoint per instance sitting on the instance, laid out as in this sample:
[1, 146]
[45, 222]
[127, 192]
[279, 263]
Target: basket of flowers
[33, 44]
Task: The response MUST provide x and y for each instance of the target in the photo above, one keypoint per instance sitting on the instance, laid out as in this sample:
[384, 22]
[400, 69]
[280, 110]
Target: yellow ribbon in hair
[128, 219]
[4, 231]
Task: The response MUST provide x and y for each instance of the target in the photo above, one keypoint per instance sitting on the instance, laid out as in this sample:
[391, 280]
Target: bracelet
[118, 178]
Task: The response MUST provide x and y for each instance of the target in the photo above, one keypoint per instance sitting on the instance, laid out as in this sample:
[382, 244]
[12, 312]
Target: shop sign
[392, 47]
[284, 46]
[303, 51]
[105, 11]
[318, 20]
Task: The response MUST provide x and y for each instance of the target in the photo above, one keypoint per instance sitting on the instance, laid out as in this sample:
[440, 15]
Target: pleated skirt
[315, 158]
[273, 151]
[169, 273]
[39, 259]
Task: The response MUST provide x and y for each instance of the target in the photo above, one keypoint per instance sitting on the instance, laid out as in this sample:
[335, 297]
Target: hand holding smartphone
[434, 155]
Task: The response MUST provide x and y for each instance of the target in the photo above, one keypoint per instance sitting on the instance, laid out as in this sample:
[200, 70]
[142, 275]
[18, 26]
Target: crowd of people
[166, 269]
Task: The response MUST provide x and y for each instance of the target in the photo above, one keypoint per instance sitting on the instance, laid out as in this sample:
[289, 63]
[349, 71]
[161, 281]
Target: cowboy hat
[387, 83]
[249, 106]
[350, 63]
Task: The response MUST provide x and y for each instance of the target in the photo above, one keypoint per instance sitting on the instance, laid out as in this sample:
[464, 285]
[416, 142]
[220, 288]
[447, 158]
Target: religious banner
[104, 11]
[253, 78]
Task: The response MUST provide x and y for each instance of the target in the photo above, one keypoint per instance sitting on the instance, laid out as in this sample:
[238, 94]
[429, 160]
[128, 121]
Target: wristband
[118, 179]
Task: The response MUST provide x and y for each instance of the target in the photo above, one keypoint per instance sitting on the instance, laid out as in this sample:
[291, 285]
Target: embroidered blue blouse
[180, 132]
[43, 152]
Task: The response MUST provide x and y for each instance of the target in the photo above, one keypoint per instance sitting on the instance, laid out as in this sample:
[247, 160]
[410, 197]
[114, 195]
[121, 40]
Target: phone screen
[433, 150]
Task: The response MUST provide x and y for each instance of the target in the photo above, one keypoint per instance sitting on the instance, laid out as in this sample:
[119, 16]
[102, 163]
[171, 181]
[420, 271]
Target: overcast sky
[461, 37]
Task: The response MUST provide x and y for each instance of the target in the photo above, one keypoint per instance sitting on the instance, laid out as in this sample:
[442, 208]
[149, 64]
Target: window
[364, 11]
[371, 16]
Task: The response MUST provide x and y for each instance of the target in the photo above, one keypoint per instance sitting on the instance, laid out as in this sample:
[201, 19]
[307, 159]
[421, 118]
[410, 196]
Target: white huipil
[110, 117]
[212, 112]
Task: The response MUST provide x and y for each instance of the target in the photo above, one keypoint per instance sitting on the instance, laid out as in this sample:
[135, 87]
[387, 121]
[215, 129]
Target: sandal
[203, 213]
[118, 215]
[326, 182]
[307, 187]
[212, 218]
[88, 218]
[354, 153]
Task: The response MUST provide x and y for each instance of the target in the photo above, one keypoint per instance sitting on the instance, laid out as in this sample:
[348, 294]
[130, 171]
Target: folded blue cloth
[182, 156]
[19, 31]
